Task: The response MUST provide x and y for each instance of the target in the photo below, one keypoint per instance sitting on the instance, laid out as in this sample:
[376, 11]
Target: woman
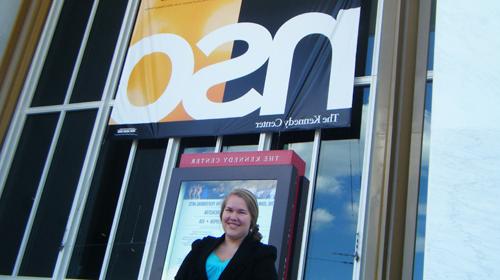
[238, 254]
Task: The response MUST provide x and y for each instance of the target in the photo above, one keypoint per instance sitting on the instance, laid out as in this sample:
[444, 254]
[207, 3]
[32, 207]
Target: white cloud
[426, 140]
[321, 218]
[329, 185]
[419, 244]
[422, 209]
[352, 209]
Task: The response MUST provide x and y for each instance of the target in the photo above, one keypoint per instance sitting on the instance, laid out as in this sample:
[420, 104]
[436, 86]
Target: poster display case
[196, 191]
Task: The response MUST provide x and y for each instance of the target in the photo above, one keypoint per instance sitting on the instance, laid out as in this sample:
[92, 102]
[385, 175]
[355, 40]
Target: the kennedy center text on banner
[216, 67]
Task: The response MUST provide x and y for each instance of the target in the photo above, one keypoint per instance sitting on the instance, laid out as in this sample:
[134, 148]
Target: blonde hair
[253, 209]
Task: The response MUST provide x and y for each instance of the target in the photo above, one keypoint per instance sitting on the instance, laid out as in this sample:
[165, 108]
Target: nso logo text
[191, 87]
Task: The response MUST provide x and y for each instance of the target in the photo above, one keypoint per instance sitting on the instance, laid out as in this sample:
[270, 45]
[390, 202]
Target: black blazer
[252, 260]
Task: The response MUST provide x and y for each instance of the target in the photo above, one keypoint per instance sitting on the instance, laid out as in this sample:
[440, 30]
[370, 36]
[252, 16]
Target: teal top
[215, 266]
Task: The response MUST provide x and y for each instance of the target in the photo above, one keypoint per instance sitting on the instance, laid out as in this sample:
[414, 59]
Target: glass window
[92, 240]
[430, 58]
[334, 217]
[239, 143]
[364, 54]
[22, 182]
[333, 229]
[193, 145]
[61, 57]
[99, 51]
[131, 234]
[418, 265]
[299, 142]
[418, 261]
[55, 204]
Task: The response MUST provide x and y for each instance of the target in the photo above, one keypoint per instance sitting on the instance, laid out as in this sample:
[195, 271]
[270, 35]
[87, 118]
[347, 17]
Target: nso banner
[216, 67]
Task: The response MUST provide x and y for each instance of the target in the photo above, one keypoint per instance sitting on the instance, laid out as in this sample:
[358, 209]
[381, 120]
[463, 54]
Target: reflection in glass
[93, 235]
[422, 193]
[240, 148]
[99, 51]
[58, 193]
[61, 57]
[21, 185]
[198, 150]
[418, 261]
[197, 145]
[137, 208]
[364, 54]
[299, 142]
[430, 58]
[240, 143]
[333, 229]
[304, 150]
[332, 236]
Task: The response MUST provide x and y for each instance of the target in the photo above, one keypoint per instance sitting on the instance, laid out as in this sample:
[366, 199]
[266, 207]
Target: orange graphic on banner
[190, 19]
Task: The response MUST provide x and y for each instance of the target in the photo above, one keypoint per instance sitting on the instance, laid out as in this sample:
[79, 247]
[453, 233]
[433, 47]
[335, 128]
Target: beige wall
[8, 15]
[24, 32]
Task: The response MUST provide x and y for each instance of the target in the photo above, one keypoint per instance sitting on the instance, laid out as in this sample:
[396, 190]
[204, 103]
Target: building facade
[78, 204]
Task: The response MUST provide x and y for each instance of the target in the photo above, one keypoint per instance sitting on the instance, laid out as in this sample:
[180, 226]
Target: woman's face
[236, 218]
